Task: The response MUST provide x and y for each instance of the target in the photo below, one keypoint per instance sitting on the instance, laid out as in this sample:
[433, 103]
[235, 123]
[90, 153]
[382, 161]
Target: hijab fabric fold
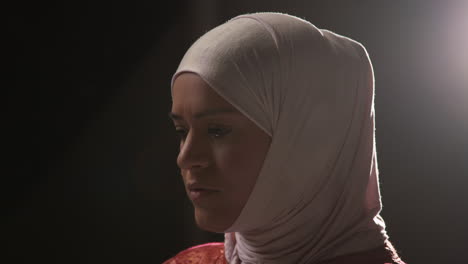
[317, 194]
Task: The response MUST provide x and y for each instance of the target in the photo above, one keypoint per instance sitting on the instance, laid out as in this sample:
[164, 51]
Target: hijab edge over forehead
[213, 87]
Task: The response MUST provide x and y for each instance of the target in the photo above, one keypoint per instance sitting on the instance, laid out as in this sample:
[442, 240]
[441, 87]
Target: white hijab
[312, 91]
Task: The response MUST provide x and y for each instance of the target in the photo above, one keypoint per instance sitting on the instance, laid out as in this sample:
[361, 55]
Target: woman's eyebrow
[205, 113]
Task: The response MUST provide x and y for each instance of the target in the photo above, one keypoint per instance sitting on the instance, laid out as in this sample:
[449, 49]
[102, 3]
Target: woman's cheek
[227, 156]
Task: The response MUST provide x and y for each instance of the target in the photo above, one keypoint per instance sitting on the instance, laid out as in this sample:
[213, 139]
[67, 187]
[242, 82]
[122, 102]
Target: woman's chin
[211, 222]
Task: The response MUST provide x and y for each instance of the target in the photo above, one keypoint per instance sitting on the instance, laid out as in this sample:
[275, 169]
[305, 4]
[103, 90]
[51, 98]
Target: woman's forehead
[192, 93]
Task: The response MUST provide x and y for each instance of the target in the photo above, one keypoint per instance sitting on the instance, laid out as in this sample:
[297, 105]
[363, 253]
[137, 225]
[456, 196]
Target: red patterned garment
[211, 253]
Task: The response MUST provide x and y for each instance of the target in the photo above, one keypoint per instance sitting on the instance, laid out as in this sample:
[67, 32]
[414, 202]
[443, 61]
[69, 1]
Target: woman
[277, 146]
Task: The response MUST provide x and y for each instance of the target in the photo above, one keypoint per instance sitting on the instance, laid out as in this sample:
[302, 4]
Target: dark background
[90, 173]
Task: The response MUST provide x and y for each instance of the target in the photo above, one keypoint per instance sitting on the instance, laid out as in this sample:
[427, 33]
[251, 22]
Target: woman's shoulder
[210, 253]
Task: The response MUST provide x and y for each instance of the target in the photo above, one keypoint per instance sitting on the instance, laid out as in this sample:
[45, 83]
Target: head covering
[312, 91]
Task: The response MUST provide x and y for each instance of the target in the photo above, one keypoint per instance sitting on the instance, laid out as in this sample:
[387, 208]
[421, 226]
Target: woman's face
[221, 152]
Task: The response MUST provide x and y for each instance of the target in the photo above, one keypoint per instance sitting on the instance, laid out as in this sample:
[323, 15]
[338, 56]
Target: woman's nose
[193, 153]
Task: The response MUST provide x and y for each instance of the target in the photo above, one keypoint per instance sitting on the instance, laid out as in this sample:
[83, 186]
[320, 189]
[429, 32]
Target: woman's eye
[218, 132]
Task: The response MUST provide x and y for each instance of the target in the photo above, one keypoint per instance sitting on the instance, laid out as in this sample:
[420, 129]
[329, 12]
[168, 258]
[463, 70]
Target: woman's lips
[198, 191]
[197, 194]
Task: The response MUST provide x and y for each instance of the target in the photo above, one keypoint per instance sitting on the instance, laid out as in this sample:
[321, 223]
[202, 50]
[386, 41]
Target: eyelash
[215, 132]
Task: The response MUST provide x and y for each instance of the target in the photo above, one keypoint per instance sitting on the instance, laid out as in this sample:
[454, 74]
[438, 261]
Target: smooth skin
[220, 149]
